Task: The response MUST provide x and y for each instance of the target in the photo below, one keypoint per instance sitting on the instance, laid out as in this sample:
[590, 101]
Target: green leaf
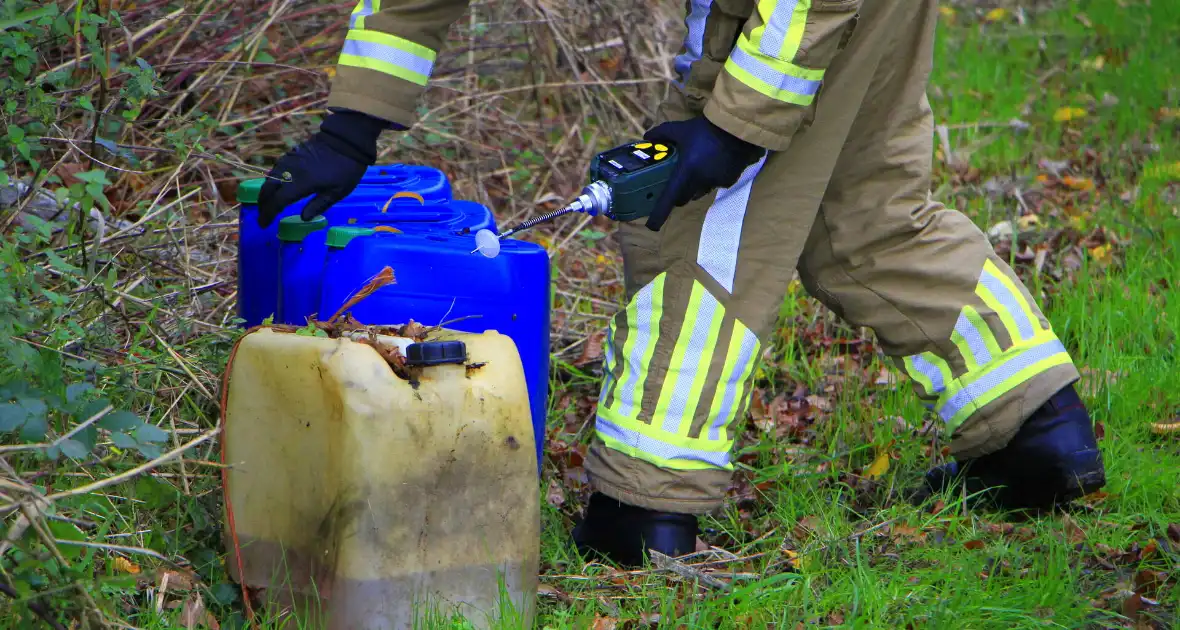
[225, 593]
[76, 390]
[150, 433]
[28, 16]
[150, 451]
[35, 429]
[264, 57]
[16, 134]
[12, 416]
[96, 176]
[68, 531]
[122, 440]
[75, 449]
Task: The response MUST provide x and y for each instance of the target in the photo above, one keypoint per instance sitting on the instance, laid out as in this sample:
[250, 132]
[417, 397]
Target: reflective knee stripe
[930, 370]
[694, 40]
[989, 371]
[363, 9]
[388, 54]
[731, 396]
[782, 29]
[721, 235]
[681, 391]
[643, 325]
[777, 79]
[1016, 366]
[665, 440]
[974, 339]
[668, 451]
[1001, 295]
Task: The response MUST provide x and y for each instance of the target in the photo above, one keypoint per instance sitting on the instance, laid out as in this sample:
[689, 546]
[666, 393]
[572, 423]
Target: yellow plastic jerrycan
[360, 499]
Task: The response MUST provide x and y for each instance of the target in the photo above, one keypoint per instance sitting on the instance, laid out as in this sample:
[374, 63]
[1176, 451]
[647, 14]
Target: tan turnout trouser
[847, 204]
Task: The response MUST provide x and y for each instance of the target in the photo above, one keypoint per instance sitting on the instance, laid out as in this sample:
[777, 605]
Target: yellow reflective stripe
[781, 32]
[974, 338]
[1009, 370]
[771, 77]
[930, 370]
[363, 9]
[689, 365]
[654, 445]
[1001, 295]
[643, 330]
[388, 54]
[731, 395]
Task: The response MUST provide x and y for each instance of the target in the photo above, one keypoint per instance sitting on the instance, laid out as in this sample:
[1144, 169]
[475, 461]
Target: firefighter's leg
[703, 298]
[952, 314]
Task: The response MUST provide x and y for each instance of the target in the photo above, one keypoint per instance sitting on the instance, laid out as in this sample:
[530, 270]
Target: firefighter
[805, 137]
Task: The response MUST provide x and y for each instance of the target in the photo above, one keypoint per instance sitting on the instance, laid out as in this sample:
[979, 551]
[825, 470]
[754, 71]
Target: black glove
[710, 158]
[329, 165]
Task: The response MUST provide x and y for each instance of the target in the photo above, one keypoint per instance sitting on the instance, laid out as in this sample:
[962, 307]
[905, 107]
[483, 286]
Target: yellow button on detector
[660, 156]
[645, 145]
[660, 147]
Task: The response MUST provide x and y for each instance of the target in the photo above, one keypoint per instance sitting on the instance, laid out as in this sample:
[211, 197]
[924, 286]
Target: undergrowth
[126, 127]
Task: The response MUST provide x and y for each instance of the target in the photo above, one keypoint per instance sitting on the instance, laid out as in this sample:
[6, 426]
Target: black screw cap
[436, 353]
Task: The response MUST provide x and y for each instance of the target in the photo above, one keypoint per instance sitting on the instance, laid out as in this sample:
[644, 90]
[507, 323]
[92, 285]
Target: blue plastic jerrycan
[303, 249]
[258, 248]
[439, 281]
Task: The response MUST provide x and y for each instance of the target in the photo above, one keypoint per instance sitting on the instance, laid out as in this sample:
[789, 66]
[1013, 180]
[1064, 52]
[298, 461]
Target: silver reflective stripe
[1009, 301]
[608, 363]
[634, 366]
[389, 54]
[686, 372]
[996, 377]
[694, 41]
[776, 29]
[776, 80]
[735, 384]
[366, 11]
[979, 352]
[717, 253]
[658, 448]
[930, 371]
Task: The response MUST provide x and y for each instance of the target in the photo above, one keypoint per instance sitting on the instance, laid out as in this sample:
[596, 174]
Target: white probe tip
[487, 243]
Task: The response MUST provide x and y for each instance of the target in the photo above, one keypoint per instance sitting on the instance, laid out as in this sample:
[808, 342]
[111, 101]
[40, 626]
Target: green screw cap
[249, 189]
[293, 229]
[342, 235]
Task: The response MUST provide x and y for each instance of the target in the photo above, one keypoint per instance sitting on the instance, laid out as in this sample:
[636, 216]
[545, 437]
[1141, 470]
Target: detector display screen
[628, 159]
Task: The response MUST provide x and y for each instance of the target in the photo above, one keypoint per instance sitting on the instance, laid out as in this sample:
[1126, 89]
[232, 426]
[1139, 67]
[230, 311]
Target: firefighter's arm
[388, 55]
[768, 85]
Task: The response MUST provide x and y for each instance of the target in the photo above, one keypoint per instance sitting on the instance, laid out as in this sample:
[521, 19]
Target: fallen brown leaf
[176, 581]
[1132, 605]
[605, 623]
[556, 495]
[1073, 532]
[1147, 583]
[193, 614]
[592, 350]
[974, 544]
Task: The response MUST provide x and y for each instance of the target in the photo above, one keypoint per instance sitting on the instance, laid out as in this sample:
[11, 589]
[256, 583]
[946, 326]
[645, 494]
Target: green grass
[872, 559]
[814, 541]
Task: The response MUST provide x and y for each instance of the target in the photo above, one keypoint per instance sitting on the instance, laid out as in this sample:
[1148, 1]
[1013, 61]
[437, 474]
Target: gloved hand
[710, 158]
[329, 165]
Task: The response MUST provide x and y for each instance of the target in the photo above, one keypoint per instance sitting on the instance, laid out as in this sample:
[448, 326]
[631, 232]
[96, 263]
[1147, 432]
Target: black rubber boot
[623, 533]
[1053, 459]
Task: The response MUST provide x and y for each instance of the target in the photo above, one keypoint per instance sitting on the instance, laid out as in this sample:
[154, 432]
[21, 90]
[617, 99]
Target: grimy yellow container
[361, 499]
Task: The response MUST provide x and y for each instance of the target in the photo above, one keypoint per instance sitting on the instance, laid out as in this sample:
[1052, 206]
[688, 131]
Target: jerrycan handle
[436, 353]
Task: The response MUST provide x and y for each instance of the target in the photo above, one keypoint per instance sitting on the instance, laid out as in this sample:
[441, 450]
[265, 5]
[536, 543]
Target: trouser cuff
[642, 484]
[994, 425]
